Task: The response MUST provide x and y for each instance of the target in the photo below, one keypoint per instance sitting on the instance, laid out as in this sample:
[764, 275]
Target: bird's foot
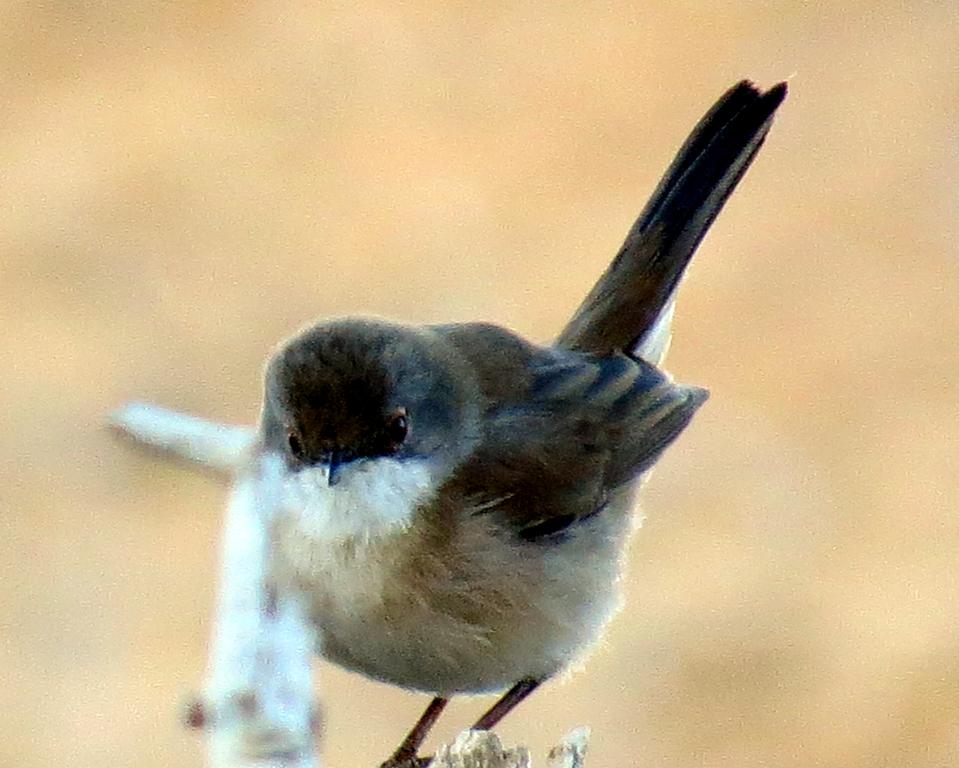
[407, 761]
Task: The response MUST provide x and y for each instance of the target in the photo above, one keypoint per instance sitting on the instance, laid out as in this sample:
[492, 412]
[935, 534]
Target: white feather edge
[655, 344]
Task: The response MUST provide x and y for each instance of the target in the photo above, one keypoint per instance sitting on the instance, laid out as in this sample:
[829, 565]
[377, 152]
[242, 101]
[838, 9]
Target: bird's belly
[465, 620]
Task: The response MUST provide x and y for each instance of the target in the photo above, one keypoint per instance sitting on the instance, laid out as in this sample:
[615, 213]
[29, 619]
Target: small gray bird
[457, 499]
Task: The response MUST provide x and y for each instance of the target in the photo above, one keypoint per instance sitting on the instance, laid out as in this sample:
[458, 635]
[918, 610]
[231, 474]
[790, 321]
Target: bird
[457, 499]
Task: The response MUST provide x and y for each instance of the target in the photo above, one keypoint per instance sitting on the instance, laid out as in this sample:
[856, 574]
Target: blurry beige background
[182, 184]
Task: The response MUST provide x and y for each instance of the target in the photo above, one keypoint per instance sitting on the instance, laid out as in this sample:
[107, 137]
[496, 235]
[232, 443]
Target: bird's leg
[506, 704]
[406, 752]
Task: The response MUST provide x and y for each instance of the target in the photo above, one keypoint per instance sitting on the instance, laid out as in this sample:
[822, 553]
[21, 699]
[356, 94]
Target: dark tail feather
[626, 302]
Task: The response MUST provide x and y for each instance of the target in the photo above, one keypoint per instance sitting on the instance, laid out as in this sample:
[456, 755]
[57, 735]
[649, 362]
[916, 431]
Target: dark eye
[397, 428]
[296, 447]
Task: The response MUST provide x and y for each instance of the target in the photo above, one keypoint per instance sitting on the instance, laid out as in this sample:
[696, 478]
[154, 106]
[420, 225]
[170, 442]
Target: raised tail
[630, 306]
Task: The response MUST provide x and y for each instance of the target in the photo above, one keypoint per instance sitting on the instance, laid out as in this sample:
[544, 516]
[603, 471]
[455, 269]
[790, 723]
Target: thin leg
[506, 704]
[406, 752]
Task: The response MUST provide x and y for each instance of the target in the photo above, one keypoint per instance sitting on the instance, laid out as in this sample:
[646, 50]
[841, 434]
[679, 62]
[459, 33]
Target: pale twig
[259, 696]
[258, 708]
[215, 446]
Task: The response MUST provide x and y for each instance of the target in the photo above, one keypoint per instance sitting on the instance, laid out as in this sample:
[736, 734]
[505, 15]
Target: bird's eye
[296, 446]
[397, 428]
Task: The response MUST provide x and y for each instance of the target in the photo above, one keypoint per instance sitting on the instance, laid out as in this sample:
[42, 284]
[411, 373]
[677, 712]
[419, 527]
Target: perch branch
[215, 446]
[257, 709]
[259, 695]
[483, 749]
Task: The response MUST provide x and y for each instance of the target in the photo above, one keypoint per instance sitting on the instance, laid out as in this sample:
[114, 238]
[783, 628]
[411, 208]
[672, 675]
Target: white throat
[371, 498]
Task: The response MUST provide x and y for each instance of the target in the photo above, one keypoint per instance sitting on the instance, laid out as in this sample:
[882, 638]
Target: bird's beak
[338, 460]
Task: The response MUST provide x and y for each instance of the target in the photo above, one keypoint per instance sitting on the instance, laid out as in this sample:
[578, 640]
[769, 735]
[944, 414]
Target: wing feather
[574, 427]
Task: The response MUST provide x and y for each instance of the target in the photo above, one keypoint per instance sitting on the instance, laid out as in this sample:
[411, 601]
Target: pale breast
[474, 615]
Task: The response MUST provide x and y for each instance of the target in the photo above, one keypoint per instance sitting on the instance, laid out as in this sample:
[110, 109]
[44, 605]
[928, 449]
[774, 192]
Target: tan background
[182, 184]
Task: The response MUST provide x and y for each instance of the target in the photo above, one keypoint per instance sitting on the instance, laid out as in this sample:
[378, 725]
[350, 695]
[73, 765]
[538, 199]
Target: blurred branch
[258, 707]
[259, 695]
[214, 446]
